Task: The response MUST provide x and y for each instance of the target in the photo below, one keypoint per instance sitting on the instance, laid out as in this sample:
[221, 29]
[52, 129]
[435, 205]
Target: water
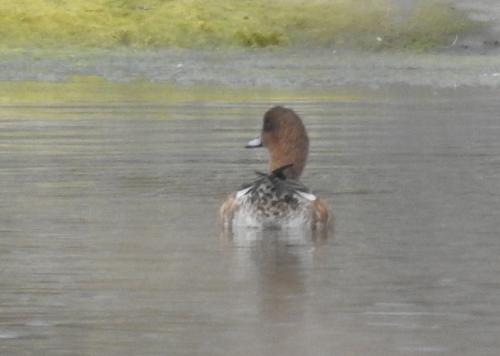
[109, 242]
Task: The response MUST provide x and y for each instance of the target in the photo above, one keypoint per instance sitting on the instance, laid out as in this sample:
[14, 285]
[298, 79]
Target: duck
[278, 199]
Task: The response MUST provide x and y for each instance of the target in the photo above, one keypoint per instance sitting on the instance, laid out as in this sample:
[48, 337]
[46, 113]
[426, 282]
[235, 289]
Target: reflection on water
[110, 246]
[247, 235]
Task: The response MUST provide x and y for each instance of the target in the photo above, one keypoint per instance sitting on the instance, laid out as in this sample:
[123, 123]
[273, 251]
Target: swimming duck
[278, 199]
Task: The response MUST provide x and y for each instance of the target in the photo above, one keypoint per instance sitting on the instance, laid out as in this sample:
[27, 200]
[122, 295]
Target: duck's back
[273, 200]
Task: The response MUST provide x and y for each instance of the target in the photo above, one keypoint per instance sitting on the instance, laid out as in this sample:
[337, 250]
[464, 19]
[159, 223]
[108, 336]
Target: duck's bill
[256, 142]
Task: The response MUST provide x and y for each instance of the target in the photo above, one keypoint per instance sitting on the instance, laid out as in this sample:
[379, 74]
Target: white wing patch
[242, 192]
[307, 196]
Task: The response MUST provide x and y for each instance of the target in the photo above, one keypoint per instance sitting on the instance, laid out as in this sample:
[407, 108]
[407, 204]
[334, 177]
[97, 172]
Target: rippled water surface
[109, 242]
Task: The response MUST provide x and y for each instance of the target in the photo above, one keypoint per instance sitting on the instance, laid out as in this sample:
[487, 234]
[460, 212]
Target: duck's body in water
[278, 199]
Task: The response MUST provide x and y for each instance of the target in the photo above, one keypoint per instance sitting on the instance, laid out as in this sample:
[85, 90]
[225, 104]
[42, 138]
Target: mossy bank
[377, 24]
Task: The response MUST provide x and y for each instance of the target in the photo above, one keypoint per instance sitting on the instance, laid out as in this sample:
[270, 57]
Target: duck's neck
[285, 155]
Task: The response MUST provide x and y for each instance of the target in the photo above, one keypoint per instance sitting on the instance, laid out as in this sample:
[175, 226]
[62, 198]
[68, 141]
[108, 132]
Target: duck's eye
[268, 125]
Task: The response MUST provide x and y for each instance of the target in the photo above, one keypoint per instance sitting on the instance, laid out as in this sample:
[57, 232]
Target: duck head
[285, 137]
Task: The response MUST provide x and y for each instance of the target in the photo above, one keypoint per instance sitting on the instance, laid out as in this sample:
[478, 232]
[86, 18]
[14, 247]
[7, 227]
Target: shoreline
[296, 68]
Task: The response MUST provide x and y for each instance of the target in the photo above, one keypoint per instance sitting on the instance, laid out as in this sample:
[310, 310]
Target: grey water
[109, 243]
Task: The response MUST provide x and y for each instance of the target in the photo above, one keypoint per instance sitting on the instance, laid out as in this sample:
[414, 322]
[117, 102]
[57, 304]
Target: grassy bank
[376, 24]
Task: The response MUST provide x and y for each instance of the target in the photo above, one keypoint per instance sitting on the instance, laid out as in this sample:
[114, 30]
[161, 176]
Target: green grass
[374, 24]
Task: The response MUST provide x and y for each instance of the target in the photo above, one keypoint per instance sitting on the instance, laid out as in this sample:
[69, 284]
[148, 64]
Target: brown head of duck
[284, 136]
